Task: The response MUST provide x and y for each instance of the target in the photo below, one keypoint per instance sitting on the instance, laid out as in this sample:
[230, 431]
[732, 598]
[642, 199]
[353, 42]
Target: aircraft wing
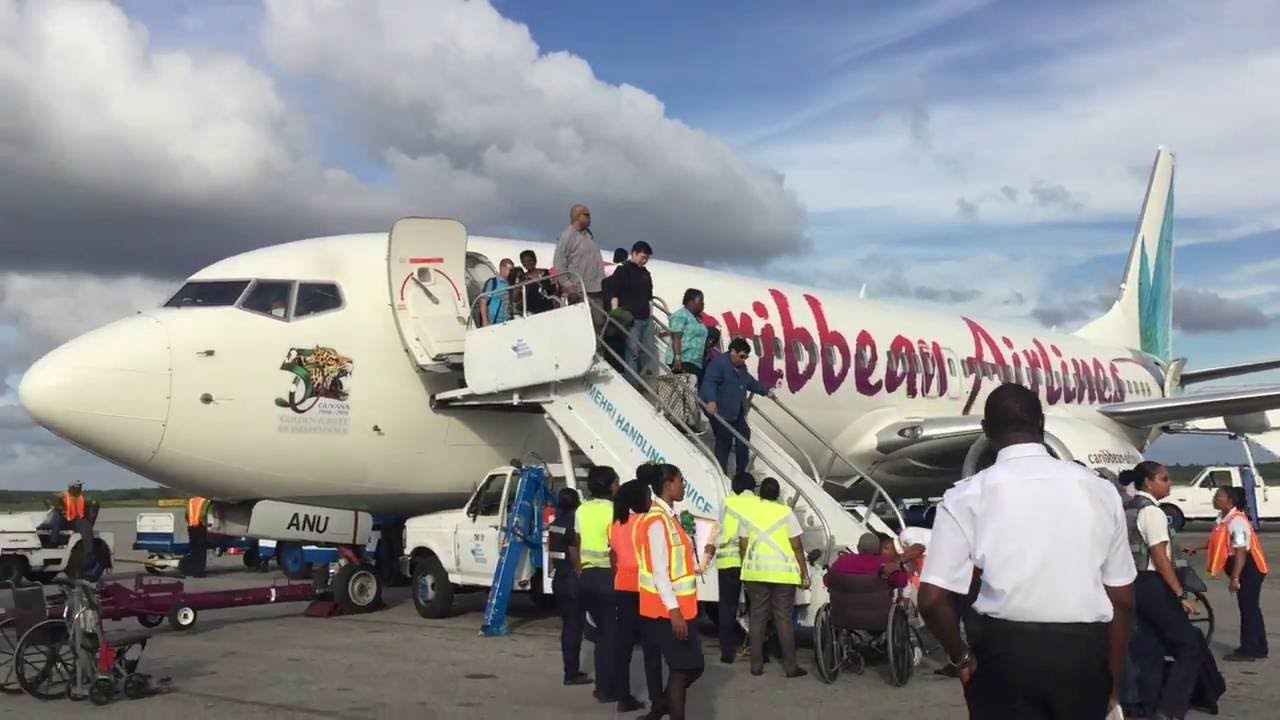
[1189, 377]
[1220, 404]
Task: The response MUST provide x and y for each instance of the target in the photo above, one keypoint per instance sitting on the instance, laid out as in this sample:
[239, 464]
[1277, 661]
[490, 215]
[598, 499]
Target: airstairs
[604, 412]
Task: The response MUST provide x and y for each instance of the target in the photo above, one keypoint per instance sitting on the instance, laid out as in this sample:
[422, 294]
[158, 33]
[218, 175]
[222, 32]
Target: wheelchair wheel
[1204, 622]
[45, 662]
[899, 646]
[825, 646]
[8, 646]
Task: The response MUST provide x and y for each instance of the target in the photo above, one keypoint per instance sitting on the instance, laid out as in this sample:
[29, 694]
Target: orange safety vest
[1220, 546]
[622, 541]
[680, 568]
[72, 506]
[196, 507]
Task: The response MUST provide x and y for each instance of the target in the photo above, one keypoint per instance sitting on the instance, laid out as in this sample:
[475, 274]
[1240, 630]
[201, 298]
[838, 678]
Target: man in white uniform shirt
[1056, 600]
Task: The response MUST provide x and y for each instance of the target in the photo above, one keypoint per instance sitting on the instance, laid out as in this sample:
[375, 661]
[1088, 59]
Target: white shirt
[915, 536]
[1240, 532]
[1153, 526]
[1047, 534]
[659, 557]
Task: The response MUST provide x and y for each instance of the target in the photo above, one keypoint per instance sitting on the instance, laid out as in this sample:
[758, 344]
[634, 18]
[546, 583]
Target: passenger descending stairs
[552, 360]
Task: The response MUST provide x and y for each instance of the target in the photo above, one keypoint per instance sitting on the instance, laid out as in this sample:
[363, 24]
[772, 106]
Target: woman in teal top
[688, 344]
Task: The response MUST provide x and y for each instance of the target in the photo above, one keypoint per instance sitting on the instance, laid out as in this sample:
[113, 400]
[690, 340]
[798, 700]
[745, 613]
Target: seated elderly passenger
[871, 559]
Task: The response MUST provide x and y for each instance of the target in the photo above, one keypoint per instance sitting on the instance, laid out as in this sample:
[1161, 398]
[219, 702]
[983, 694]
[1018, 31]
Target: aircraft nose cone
[106, 391]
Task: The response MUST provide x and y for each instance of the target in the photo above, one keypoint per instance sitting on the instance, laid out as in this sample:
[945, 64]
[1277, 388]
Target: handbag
[1191, 581]
[678, 397]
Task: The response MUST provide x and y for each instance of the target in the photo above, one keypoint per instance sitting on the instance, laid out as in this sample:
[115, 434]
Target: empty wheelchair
[865, 622]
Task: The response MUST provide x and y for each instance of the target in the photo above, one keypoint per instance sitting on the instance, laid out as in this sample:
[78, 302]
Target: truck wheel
[1177, 520]
[150, 621]
[432, 591]
[75, 562]
[182, 617]
[12, 569]
[292, 562]
[250, 558]
[357, 589]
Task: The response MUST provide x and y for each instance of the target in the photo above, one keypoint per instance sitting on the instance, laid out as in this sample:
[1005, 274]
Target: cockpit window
[208, 293]
[269, 297]
[316, 298]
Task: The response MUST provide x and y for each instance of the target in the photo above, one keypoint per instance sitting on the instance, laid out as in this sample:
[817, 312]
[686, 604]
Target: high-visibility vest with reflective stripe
[769, 555]
[680, 568]
[594, 519]
[622, 541]
[735, 508]
[1220, 546]
[558, 533]
[72, 506]
[197, 508]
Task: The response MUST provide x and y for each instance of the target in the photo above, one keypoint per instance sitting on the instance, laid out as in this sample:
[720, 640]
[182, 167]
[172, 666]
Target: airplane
[304, 372]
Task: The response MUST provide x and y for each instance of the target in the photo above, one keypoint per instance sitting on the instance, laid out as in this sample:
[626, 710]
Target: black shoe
[603, 699]
[798, 672]
[629, 704]
[1238, 657]
[757, 672]
[579, 679]
[726, 659]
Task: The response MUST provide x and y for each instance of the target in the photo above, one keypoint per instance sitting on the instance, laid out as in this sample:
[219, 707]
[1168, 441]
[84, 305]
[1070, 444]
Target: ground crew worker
[197, 537]
[1054, 625]
[669, 591]
[1163, 628]
[1234, 547]
[591, 536]
[630, 505]
[729, 564]
[77, 513]
[773, 566]
[563, 553]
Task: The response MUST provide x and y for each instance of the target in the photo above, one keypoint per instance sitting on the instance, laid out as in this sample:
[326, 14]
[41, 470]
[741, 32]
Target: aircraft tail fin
[1142, 316]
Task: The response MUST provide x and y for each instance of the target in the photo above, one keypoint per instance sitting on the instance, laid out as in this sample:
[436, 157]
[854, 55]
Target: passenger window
[269, 297]
[208, 293]
[316, 298]
[951, 367]
[777, 347]
[489, 500]
[755, 341]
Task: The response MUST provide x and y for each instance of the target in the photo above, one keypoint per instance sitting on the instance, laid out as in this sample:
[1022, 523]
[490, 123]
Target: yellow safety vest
[594, 519]
[735, 509]
[769, 557]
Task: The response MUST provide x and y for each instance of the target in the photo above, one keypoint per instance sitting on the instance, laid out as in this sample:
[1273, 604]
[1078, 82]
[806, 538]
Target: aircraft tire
[431, 589]
[357, 589]
[12, 569]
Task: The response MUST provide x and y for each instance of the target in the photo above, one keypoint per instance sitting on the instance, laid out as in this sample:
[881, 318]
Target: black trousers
[1039, 671]
[730, 591]
[598, 599]
[1253, 631]
[631, 633]
[1164, 629]
[726, 442]
[564, 585]
[197, 550]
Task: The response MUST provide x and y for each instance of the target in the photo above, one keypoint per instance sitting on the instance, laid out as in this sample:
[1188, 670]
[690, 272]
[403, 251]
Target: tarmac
[273, 662]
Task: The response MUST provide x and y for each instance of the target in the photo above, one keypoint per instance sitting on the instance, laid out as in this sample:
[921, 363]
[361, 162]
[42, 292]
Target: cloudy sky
[896, 144]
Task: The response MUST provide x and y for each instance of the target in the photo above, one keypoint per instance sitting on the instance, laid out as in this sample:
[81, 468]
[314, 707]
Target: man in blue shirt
[493, 303]
[724, 388]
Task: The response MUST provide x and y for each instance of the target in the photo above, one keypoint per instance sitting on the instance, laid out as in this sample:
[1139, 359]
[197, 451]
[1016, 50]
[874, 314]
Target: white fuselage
[188, 396]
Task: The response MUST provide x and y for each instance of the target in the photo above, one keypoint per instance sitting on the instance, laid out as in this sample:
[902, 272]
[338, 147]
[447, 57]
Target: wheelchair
[865, 622]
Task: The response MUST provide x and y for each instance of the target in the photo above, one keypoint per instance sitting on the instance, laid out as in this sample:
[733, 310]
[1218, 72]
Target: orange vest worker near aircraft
[197, 537]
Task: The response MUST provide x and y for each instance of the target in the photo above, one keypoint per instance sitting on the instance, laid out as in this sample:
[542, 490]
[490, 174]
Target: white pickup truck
[1194, 500]
[457, 550]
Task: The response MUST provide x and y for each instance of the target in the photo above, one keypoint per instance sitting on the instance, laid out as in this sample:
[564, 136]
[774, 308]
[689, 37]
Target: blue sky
[896, 144]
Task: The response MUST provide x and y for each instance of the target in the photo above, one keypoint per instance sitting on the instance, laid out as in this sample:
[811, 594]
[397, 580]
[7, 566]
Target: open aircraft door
[426, 260]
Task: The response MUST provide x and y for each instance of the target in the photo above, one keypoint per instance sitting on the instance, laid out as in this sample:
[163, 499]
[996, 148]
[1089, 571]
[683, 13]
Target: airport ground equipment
[295, 560]
[30, 551]
[71, 656]
[152, 600]
[521, 538]
[156, 533]
[605, 413]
